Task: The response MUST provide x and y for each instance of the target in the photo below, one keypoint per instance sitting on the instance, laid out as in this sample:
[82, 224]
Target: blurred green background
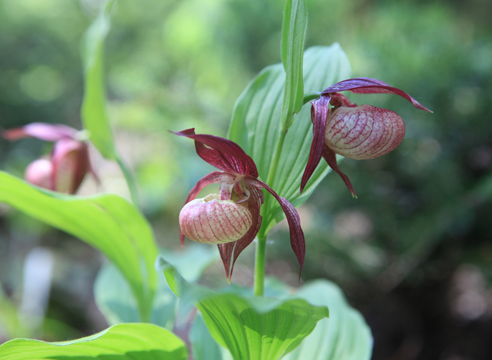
[413, 253]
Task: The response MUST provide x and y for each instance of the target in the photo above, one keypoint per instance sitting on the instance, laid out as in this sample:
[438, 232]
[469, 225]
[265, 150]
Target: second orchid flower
[68, 163]
[356, 132]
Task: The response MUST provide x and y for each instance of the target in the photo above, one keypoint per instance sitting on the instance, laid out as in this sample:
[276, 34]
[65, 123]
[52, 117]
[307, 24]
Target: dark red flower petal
[319, 112]
[42, 131]
[212, 178]
[331, 159]
[70, 159]
[370, 86]
[297, 240]
[224, 154]
[230, 251]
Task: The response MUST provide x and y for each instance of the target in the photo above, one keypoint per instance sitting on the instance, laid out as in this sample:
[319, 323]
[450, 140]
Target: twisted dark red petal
[297, 240]
[224, 154]
[212, 178]
[370, 86]
[319, 112]
[230, 251]
[331, 159]
[42, 131]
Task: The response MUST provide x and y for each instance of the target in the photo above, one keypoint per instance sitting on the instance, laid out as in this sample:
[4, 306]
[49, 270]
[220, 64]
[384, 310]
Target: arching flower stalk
[356, 132]
[68, 163]
[232, 218]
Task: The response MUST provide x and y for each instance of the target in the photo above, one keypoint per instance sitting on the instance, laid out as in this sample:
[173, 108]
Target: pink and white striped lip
[364, 132]
[214, 221]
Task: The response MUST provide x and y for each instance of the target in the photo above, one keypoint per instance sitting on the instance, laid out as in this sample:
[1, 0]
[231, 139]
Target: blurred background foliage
[413, 253]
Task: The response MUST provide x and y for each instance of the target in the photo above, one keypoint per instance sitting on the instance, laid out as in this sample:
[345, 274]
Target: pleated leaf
[250, 327]
[344, 336]
[107, 222]
[94, 112]
[256, 122]
[120, 342]
[259, 328]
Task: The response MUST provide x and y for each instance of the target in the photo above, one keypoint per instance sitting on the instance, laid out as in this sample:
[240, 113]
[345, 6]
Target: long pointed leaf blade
[293, 35]
[107, 222]
[120, 342]
[94, 114]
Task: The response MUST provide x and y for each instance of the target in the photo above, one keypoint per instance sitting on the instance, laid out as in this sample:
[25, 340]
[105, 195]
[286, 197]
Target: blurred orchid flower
[68, 162]
[232, 219]
[356, 132]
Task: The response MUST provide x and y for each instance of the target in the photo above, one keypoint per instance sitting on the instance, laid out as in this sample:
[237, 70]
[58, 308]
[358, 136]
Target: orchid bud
[68, 163]
[39, 173]
[70, 160]
[364, 132]
[214, 221]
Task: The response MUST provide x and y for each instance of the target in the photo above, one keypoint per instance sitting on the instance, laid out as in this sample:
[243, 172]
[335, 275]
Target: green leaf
[107, 222]
[188, 293]
[9, 318]
[115, 300]
[293, 35]
[250, 327]
[344, 336]
[120, 342]
[193, 260]
[255, 124]
[94, 113]
[203, 345]
[257, 327]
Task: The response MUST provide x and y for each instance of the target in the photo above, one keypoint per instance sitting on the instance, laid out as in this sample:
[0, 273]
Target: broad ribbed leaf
[107, 222]
[256, 121]
[344, 336]
[250, 327]
[94, 113]
[120, 342]
[293, 35]
[257, 327]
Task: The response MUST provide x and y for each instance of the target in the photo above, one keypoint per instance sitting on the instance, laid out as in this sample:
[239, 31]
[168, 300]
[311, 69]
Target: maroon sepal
[297, 240]
[42, 131]
[221, 153]
[319, 113]
[331, 159]
[370, 86]
[70, 159]
[230, 251]
[212, 178]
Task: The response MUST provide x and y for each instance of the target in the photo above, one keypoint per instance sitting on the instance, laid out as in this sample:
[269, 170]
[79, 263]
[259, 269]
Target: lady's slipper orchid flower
[68, 162]
[356, 132]
[232, 219]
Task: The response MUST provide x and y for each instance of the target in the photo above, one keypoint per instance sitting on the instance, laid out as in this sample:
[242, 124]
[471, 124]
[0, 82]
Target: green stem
[260, 265]
[130, 180]
[260, 256]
